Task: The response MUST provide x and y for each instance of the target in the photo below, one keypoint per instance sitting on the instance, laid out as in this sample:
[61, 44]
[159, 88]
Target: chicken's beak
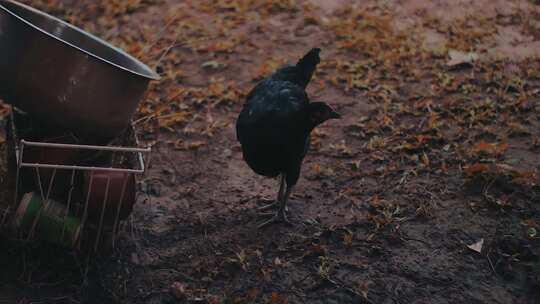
[335, 115]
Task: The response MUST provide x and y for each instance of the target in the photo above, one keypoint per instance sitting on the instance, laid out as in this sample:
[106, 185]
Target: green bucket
[51, 219]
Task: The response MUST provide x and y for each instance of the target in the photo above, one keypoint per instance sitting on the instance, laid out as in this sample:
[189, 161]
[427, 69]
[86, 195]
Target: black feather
[274, 126]
[302, 72]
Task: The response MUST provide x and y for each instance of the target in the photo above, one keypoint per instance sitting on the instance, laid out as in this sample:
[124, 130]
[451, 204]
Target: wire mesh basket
[67, 192]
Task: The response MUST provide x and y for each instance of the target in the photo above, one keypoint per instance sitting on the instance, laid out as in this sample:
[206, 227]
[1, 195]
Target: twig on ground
[491, 264]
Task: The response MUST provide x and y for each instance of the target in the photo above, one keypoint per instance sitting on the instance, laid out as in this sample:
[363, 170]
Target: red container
[116, 203]
[52, 156]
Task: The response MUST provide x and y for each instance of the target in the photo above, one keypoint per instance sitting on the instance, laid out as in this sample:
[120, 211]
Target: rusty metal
[65, 76]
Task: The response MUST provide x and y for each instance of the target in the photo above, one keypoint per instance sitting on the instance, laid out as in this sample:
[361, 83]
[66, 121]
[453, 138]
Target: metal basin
[65, 76]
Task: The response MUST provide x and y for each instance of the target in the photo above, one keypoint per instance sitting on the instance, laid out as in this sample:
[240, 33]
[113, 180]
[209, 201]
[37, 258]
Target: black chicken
[275, 124]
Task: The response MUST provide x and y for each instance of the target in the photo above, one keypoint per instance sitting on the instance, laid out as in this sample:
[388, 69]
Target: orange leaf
[433, 121]
[483, 146]
[421, 138]
[387, 120]
[501, 148]
[444, 167]
[475, 169]
[275, 298]
[490, 148]
[531, 223]
[348, 239]
[253, 294]
[375, 200]
[318, 250]
[526, 174]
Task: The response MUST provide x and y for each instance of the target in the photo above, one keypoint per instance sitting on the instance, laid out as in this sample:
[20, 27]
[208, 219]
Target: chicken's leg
[280, 215]
[279, 195]
[283, 206]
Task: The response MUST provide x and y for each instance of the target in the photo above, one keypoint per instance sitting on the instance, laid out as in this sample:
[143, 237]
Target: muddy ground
[437, 151]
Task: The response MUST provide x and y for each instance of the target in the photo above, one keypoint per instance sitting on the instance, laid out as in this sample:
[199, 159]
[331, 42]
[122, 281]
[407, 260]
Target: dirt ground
[427, 191]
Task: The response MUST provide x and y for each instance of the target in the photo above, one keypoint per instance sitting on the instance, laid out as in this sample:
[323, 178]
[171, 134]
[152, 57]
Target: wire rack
[93, 194]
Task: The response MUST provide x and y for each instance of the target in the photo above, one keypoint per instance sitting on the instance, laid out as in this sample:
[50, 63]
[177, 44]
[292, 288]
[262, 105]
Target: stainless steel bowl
[65, 76]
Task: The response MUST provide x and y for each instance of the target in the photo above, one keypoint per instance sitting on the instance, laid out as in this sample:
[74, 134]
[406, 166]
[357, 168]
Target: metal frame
[19, 146]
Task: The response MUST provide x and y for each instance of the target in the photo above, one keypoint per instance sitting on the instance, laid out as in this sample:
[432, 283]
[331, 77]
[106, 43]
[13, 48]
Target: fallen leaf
[364, 288]
[425, 159]
[321, 171]
[179, 290]
[318, 250]
[215, 300]
[475, 169]
[458, 58]
[531, 223]
[495, 149]
[195, 145]
[536, 142]
[355, 164]
[342, 149]
[477, 246]
[253, 294]
[517, 129]
[212, 64]
[375, 200]
[275, 298]
[348, 239]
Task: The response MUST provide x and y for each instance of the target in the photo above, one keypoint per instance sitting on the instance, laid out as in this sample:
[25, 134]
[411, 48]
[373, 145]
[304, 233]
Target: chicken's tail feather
[307, 65]
[310, 60]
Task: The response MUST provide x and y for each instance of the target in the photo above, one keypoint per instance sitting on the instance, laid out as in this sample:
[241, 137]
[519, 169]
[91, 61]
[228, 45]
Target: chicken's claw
[270, 205]
[277, 218]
